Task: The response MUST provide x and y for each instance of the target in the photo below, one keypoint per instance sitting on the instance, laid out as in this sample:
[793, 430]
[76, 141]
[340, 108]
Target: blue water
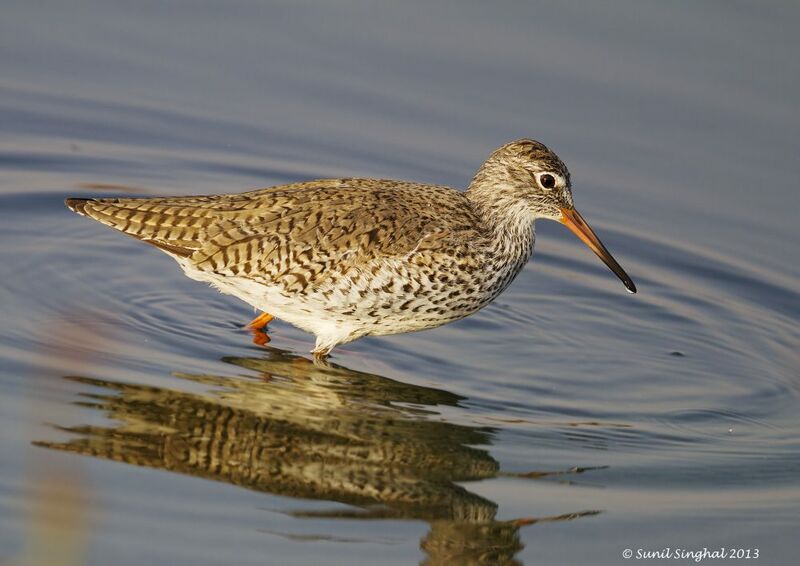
[564, 423]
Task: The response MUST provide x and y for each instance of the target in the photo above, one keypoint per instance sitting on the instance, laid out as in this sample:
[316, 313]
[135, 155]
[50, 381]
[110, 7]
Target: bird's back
[294, 233]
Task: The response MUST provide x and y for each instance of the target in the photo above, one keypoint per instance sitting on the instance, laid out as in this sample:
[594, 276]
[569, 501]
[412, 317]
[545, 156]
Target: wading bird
[347, 258]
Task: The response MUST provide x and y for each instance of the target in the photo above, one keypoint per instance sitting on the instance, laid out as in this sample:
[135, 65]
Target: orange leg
[260, 322]
[260, 338]
[257, 326]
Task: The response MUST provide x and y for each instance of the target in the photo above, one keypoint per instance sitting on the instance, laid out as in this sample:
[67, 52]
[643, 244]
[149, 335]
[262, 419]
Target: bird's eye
[547, 181]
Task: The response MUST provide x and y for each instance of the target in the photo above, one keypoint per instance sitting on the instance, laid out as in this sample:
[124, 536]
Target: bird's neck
[507, 221]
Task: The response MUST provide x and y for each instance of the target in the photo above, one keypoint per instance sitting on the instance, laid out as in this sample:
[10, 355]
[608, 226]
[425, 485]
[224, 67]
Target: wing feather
[296, 233]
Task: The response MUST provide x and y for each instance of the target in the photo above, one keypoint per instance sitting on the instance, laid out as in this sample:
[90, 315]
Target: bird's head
[525, 180]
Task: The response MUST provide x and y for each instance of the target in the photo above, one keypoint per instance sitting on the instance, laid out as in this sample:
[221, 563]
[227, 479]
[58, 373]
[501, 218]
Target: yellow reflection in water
[318, 432]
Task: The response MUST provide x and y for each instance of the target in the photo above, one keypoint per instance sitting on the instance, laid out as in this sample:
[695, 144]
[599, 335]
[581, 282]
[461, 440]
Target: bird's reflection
[317, 432]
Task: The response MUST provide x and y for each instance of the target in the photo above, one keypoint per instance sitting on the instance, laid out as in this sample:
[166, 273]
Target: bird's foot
[321, 356]
[258, 327]
[260, 338]
[260, 322]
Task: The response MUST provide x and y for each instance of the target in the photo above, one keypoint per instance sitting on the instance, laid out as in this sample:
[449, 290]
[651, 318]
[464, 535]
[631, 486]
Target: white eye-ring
[547, 181]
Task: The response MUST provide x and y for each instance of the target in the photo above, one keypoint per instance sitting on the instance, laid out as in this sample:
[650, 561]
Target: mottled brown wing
[297, 233]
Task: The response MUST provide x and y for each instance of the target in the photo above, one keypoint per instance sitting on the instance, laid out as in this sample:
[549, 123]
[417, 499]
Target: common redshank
[347, 258]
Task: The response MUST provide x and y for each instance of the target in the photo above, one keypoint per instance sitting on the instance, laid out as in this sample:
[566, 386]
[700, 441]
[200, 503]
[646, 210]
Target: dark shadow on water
[320, 432]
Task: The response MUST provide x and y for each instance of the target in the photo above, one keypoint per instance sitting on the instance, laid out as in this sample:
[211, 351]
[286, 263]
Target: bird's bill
[575, 222]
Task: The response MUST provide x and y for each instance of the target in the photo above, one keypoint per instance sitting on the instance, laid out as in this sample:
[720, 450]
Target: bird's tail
[144, 219]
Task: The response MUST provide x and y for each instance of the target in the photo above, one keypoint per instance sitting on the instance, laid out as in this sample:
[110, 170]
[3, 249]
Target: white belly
[357, 304]
[304, 313]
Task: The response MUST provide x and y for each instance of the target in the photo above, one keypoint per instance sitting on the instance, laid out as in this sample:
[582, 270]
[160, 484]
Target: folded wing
[294, 233]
